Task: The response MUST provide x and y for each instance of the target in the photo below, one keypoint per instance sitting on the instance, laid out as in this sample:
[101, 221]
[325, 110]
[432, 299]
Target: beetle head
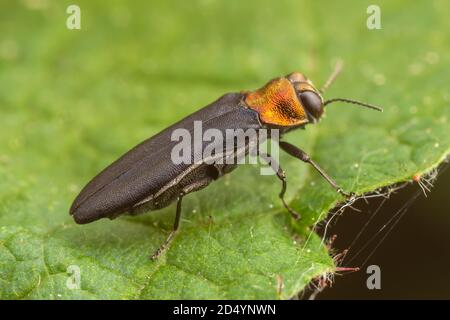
[309, 97]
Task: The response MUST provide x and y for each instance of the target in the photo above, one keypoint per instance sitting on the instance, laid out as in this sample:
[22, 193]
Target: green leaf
[72, 101]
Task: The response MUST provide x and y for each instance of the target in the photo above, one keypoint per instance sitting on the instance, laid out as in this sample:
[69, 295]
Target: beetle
[146, 179]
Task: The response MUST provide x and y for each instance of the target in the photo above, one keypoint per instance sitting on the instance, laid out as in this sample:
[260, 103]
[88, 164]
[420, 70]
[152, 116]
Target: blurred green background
[71, 101]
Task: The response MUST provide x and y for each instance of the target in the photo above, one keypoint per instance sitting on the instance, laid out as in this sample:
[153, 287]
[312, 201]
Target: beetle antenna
[359, 103]
[333, 76]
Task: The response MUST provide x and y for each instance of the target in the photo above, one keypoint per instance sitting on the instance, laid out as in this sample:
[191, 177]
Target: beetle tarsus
[348, 195]
[163, 247]
[293, 213]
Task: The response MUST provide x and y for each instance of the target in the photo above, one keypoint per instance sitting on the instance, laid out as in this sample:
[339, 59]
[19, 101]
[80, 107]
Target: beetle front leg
[176, 224]
[303, 156]
[282, 176]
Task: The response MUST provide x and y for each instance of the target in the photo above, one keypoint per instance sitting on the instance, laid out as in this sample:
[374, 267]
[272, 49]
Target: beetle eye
[312, 103]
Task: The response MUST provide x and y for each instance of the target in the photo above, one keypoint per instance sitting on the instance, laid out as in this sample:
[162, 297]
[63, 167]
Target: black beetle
[146, 178]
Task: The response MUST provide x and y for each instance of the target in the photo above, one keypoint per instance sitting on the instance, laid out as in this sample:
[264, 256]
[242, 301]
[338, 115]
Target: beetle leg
[176, 224]
[188, 189]
[303, 156]
[282, 176]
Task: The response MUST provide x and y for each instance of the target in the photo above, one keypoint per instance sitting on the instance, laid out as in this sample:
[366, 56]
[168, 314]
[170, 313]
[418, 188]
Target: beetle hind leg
[195, 186]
